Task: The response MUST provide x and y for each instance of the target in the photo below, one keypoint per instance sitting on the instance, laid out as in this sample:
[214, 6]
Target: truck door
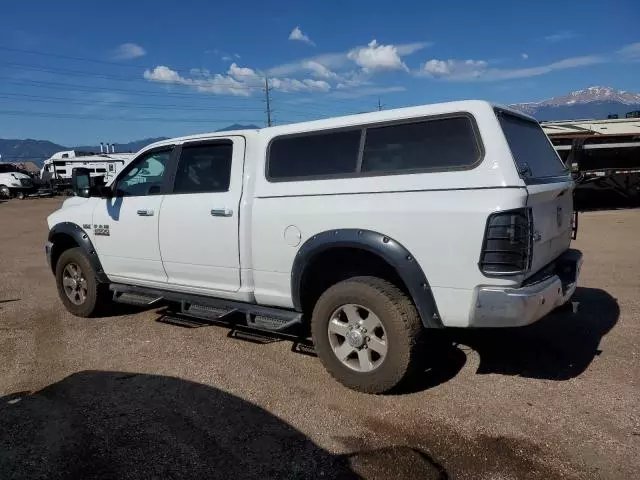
[125, 227]
[199, 221]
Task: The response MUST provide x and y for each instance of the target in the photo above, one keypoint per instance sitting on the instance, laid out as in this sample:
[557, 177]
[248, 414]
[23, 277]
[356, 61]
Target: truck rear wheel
[78, 287]
[367, 334]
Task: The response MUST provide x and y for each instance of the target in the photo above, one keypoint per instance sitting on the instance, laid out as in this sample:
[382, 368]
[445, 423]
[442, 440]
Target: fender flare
[82, 239]
[391, 251]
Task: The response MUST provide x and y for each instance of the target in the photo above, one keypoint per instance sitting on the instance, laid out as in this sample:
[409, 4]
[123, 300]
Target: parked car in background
[15, 183]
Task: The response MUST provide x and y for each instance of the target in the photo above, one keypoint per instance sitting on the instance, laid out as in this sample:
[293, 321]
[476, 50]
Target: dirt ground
[131, 397]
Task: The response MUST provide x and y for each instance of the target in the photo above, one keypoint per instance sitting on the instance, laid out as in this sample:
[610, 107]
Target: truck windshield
[7, 168]
[532, 151]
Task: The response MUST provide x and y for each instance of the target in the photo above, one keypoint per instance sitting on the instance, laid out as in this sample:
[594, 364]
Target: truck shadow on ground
[96, 424]
[559, 347]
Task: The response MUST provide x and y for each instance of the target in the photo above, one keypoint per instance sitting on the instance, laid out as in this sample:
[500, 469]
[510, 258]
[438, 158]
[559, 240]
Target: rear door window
[204, 168]
[532, 151]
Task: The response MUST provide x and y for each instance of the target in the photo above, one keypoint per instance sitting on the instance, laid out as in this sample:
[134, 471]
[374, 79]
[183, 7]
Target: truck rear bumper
[514, 307]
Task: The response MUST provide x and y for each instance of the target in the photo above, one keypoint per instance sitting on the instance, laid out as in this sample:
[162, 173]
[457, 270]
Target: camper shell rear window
[532, 151]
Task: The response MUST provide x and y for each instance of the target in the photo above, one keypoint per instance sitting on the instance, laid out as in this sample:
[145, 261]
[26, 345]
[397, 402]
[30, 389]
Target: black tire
[97, 294]
[405, 334]
[5, 192]
[20, 195]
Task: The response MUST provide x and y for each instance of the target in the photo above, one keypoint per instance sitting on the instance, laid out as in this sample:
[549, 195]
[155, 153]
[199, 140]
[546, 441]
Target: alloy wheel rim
[357, 337]
[74, 284]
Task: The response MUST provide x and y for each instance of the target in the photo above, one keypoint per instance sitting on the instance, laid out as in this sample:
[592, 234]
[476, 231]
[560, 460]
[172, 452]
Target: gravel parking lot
[131, 397]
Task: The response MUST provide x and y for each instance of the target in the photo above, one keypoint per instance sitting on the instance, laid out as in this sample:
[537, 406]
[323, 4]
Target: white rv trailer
[603, 154]
[59, 168]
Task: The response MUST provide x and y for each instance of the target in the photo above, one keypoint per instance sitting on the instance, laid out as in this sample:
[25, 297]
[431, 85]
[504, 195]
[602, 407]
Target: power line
[65, 71]
[106, 103]
[83, 59]
[47, 84]
[307, 112]
[21, 113]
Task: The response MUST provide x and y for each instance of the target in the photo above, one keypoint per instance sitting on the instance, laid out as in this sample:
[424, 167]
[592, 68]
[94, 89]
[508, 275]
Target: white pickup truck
[371, 229]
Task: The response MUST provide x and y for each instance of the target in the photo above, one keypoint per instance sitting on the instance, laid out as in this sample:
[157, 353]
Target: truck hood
[15, 176]
[76, 210]
[19, 175]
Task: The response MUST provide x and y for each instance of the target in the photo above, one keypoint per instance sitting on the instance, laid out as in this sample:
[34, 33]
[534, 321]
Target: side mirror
[81, 182]
[84, 185]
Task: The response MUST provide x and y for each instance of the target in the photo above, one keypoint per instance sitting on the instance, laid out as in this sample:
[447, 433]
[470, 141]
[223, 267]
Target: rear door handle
[145, 213]
[221, 212]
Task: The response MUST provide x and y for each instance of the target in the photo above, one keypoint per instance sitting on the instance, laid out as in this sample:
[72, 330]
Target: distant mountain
[39, 150]
[237, 126]
[592, 102]
[21, 150]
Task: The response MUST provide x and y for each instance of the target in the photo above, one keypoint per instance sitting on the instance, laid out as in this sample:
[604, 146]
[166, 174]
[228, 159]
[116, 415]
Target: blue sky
[77, 73]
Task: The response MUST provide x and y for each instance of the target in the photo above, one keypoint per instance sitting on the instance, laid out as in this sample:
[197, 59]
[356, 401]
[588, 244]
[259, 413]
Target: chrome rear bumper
[514, 307]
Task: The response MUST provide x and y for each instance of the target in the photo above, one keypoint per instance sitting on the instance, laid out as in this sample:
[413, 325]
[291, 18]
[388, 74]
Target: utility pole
[379, 104]
[267, 91]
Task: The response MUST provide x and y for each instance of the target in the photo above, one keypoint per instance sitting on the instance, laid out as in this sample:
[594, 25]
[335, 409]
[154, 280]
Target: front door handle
[221, 212]
[145, 213]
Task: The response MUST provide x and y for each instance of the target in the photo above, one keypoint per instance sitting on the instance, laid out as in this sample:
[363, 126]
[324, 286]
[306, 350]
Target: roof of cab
[349, 120]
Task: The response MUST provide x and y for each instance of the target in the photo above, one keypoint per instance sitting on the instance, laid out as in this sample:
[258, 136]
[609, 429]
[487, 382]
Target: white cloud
[454, 69]
[328, 60]
[338, 61]
[238, 81]
[354, 79]
[100, 100]
[226, 58]
[201, 81]
[319, 70]
[128, 51]
[469, 70]
[289, 85]
[377, 57]
[297, 35]
[630, 51]
[365, 92]
[524, 56]
[573, 62]
[163, 74]
[560, 36]
[409, 48]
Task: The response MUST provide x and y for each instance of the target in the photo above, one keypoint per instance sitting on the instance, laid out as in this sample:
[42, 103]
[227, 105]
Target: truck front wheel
[367, 334]
[78, 287]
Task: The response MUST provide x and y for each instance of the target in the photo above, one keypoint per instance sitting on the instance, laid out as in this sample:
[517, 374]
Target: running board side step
[207, 308]
[134, 298]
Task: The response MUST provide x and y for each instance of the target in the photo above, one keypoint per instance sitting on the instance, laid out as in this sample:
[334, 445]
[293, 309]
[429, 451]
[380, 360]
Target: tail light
[508, 243]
